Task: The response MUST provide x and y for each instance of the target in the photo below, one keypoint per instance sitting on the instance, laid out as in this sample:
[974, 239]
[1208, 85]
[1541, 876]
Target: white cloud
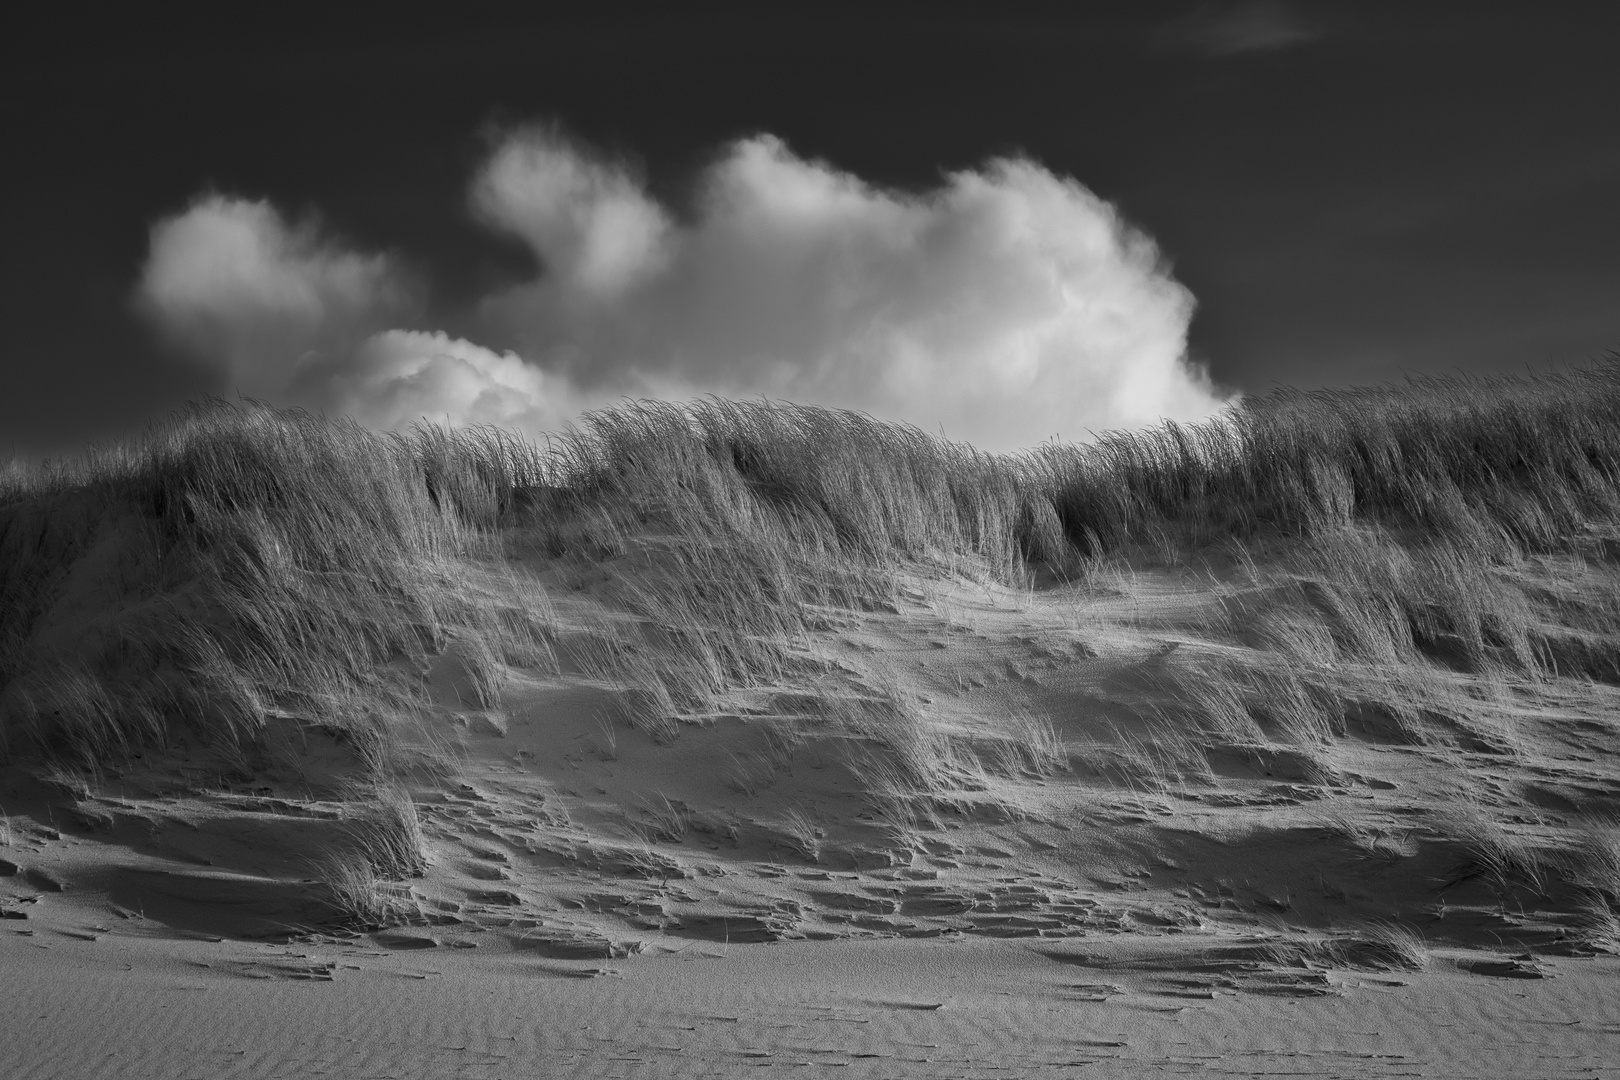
[231, 282]
[598, 230]
[397, 377]
[1006, 305]
[295, 317]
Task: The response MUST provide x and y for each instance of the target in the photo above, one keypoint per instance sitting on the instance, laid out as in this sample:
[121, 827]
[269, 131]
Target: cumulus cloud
[234, 283]
[1004, 306]
[397, 377]
[296, 317]
[598, 230]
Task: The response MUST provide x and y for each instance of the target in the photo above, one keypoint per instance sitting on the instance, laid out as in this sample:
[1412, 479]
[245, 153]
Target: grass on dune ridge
[240, 563]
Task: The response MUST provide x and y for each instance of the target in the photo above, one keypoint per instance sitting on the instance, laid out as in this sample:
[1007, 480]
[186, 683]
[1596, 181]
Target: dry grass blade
[802, 833]
[666, 821]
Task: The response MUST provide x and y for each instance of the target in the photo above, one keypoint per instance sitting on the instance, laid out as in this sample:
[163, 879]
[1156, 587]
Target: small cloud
[592, 222]
[233, 283]
[1238, 29]
[397, 377]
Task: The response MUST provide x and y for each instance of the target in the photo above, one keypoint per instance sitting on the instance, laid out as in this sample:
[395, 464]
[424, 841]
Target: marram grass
[240, 562]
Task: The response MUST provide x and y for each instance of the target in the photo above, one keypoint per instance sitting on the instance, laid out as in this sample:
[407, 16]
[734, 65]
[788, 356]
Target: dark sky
[1351, 191]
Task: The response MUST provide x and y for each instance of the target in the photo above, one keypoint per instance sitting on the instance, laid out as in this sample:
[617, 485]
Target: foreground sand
[135, 1000]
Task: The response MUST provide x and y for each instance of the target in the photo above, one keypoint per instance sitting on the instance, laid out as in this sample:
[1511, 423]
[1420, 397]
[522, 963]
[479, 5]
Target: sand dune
[687, 774]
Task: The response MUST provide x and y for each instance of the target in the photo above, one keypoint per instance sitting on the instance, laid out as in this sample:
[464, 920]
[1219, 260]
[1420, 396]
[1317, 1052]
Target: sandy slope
[746, 895]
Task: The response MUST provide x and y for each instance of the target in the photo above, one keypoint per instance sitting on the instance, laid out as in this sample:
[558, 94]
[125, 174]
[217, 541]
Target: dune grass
[240, 561]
